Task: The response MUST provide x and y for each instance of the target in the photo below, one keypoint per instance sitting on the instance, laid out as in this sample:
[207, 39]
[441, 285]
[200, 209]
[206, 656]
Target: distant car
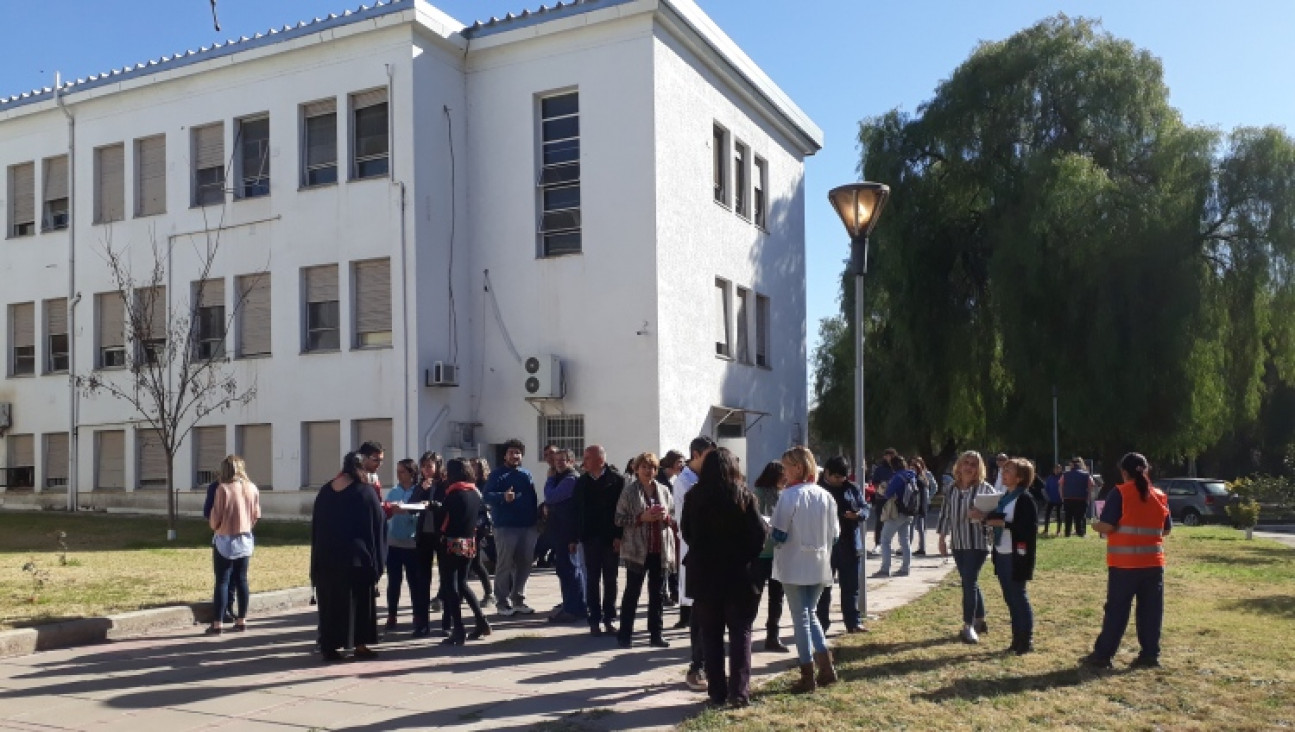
[1196, 501]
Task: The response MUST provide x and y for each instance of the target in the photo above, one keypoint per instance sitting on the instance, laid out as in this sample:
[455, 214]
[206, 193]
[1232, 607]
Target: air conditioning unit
[543, 377]
[442, 374]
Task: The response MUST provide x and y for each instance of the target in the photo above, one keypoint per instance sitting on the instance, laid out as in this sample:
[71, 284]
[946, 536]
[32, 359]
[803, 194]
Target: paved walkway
[528, 675]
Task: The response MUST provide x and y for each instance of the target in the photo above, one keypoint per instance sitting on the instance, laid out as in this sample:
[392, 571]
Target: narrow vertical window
[56, 459]
[21, 473]
[208, 451]
[559, 179]
[320, 285]
[54, 208]
[110, 328]
[719, 154]
[370, 145]
[723, 319]
[743, 328]
[762, 331]
[760, 182]
[323, 443]
[150, 322]
[319, 143]
[209, 319]
[255, 442]
[56, 335]
[150, 176]
[22, 199]
[22, 331]
[372, 303]
[109, 184]
[150, 459]
[739, 180]
[254, 315]
[110, 459]
[209, 165]
[253, 145]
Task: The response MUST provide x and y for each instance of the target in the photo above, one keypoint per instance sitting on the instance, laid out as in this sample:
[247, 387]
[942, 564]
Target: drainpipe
[410, 391]
[74, 401]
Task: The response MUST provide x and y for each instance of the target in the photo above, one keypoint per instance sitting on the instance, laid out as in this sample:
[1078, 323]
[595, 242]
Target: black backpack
[910, 504]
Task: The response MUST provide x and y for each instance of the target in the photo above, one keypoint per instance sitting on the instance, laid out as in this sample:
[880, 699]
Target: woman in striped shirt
[970, 545]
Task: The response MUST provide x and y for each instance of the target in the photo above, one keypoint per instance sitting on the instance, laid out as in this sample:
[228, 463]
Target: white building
[609, 186]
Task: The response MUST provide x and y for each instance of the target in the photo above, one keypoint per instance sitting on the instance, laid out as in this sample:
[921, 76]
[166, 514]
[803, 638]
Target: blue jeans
[1017, 599]
[845, 562]
[969, 562]
[804, 624]
[889, 530]
[1147, 585]
[570, 580]
[229, 571]
[918, 529]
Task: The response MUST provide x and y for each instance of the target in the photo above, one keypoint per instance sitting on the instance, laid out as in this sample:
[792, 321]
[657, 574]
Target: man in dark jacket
[563, 532]
[596, 494]
[851, 513]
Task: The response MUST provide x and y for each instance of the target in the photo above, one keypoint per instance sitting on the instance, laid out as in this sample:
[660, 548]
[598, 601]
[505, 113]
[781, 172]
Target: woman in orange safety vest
[1134, 521]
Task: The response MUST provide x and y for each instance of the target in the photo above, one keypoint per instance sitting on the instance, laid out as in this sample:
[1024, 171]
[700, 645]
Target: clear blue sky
[1227, 64]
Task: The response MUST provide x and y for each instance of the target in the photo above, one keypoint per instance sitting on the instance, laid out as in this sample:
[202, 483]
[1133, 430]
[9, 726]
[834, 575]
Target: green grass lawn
[1228, 653]
[118, 563]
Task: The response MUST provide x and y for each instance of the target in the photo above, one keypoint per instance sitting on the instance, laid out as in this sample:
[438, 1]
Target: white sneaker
[969, 635]
[522, 608]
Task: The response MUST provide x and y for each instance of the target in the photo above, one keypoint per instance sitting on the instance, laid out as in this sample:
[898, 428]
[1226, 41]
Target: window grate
[566, 431]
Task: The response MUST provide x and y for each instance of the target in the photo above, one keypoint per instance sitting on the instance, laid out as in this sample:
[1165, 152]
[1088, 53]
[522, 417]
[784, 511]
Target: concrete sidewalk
[528, 675]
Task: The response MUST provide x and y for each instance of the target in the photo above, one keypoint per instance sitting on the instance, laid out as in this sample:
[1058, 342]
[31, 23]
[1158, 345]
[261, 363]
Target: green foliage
[1053, 222]
[1244, 513]
[1266, 489]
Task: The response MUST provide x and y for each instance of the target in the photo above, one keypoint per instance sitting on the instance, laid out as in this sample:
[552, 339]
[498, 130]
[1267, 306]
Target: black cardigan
[723, 540]
[1025, 529]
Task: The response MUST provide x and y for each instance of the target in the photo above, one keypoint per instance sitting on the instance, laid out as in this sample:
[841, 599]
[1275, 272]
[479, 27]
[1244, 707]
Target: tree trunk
[170, 497]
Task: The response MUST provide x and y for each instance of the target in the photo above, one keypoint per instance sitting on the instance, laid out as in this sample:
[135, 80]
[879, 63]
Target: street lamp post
[859, 205]
[1056, 444]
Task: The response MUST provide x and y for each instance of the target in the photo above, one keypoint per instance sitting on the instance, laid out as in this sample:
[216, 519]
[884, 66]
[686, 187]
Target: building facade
[581, 224]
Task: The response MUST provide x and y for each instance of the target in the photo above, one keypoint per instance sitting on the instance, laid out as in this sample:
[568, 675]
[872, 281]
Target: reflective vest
[1139, 539]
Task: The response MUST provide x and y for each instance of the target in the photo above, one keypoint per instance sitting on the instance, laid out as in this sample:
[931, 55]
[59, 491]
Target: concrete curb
[85, 631]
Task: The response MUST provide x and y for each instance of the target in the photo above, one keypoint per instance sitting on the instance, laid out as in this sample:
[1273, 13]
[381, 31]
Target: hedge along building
[580, 224]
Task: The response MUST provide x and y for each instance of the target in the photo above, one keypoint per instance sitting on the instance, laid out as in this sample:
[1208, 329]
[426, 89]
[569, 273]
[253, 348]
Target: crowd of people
[689, 530]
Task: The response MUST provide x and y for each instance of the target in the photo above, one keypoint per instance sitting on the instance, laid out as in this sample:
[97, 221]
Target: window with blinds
[22, 462]
[110, 330]
[719, 164]
[723, 318]
[252, 140]
[209, 319]
[743, 328]
[319, 286]
[209, 164]
[149, 320]
[253, 315]
[319, 143]
[109, 183]
[54, 208]
[740, 199]
[151, 468]
[760, 182]
[55, 335]
[379, 431]
[370, 143]
[22, 344]
[150, 175]
[762, 331]
[559, 178]
[372, 303]
[322, 448]
[208, 452]
[56, 460]
[22, 199]
[253, 443]
[110, 460]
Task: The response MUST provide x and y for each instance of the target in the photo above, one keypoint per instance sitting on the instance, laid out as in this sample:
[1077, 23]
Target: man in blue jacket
[852, 513]
[510, 493]
[563, 532]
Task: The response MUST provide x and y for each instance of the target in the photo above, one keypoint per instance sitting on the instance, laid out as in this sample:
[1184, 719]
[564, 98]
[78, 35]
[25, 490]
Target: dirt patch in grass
[1228, 642]
[119, 563]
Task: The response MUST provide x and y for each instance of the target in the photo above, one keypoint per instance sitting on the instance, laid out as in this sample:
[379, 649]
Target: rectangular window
[762, 331]
[55, 335]
[22, 334]
[21, 473]
[379, 431]
[319, 147]
[370, 146]
[109, 183]
[559, 178]
[150, 459]
[54, 209]
[22, 199]
[253, 145]
[254, 315]
[110, 459]
[320, 289]
[209, 320]
[110, 330]
[56, 460]
[209, 164]
[566, 431]
[719, 155]
[150, 321]
[760, 182]
[253, 442]
[743, 329]
[150, 175]
[724, 318]
[208, 452]
[739, 180]
[372, 303]
[322, 452]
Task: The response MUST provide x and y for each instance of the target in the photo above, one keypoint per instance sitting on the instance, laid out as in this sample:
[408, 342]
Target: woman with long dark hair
[766, 488]
[725, 534]
[458, 532]
[1134, 521]
[427, 544]
[1015, 522]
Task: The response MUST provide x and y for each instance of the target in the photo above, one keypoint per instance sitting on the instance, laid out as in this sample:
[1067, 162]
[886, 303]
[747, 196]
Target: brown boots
[826, 671]
[806, 683]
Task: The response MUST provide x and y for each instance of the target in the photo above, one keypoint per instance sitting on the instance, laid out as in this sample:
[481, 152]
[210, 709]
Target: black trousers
[348, 609]
[734, 614]
[1076, 515]
[420, 587]
[774, 621]
[602, 565]
[652, 572]
[455, 590]
[478, 568]
[1048, 510]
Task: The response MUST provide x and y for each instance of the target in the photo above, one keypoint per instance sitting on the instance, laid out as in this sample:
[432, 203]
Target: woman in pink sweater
[235, 511]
